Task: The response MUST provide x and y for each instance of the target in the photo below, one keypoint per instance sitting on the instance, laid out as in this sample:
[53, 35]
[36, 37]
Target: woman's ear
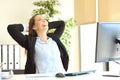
[34, 28]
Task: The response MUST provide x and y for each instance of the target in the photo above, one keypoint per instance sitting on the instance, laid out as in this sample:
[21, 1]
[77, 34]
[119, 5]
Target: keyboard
[79, 73]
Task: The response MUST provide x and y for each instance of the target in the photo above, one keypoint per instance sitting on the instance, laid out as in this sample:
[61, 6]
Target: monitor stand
[109, 74]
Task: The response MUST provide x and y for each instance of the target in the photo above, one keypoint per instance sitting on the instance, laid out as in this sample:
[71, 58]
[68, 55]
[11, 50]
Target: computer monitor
[107, 41]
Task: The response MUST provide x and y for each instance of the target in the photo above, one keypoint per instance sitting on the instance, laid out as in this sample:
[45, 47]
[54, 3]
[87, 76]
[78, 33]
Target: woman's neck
[43, 37]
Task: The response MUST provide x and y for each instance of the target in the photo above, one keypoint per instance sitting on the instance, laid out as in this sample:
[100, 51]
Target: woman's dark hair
[31, 23]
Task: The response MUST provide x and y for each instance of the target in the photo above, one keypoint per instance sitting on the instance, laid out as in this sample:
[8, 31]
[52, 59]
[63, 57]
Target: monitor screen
[106, 47]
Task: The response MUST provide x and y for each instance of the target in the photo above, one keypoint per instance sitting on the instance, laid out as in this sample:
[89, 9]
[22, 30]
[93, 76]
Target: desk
[92, 76]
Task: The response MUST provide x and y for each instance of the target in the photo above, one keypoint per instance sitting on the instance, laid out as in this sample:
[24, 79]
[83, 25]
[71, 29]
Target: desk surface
[91, 76]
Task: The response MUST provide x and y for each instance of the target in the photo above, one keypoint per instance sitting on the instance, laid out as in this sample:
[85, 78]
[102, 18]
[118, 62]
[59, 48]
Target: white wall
[13, 11]
[88, 46]
[67, 9]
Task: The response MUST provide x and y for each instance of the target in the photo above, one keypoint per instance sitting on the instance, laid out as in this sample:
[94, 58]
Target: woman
[45, 52]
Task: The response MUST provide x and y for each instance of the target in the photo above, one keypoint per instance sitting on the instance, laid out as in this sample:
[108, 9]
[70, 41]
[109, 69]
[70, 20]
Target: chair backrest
[18, 71]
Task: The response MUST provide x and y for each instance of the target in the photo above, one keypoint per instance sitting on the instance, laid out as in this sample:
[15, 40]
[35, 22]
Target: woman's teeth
[44, 25]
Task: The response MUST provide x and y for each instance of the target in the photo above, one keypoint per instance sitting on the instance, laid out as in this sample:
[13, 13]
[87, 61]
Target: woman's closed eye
[41, 19]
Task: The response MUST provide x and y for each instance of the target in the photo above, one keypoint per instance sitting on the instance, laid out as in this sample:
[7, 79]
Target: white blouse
[47, 57]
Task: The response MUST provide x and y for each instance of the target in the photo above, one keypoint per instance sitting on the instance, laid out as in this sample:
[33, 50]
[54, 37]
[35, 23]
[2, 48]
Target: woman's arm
[59, 27]
[15, 31]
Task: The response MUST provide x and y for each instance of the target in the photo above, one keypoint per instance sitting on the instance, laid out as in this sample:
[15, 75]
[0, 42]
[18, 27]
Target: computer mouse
[60, 75]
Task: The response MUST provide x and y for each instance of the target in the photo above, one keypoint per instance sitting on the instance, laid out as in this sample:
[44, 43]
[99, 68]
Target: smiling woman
[20, 11]
[45, 52]
[38, 25]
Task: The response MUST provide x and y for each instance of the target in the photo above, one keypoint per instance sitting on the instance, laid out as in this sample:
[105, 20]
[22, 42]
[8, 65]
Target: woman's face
[40, 23]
